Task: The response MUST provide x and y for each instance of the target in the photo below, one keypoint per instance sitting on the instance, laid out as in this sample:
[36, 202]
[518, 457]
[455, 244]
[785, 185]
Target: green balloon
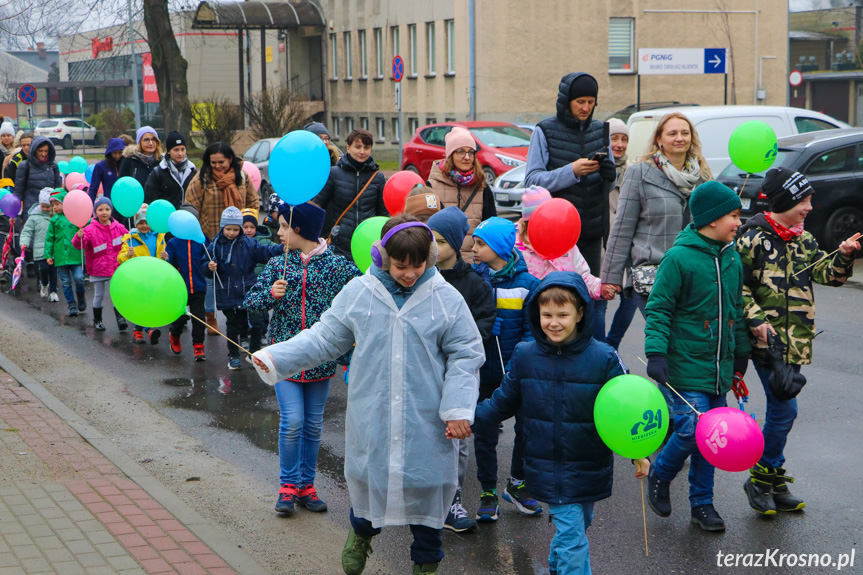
[77, 165]
[127, 195]
[753, 146]
[157, 215]
[631, 416]
[63, 167]
[367, 233]
[148, 291]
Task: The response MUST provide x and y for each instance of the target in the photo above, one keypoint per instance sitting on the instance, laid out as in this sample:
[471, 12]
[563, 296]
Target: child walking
[695, 340]
[553, 382]
[101, 241]
[185, 255]
[298, 296]
[778, 298]
[141, 241]
[495, 254]
[413, 376]
[259, 321]
[234, 256]
[36, 231]
[63, 255]
[450, 226]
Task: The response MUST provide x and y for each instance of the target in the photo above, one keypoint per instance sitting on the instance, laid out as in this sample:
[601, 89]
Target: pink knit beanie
[532, 198]
[459, 138]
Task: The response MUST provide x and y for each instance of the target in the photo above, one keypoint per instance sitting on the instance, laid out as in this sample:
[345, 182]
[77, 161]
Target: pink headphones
[379, 253]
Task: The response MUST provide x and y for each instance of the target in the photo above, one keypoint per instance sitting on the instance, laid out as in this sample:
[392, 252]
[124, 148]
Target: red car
[500, 146]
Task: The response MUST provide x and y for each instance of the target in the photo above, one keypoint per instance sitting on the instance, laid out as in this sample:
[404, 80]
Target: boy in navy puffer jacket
[553, 382]
[185, 255]
[234, 256]
[496, 258]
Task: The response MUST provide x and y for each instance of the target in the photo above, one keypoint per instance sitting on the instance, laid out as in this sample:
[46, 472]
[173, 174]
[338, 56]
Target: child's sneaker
[122, 324]
[73, 310]
[138, 335]
[308, 496]
[249, 360]
[155, 334]
[516, 493]
[488, 506]
[176, 346]
[355, 553]
[425, 568]
[53, 297]
[199, 352]
[43, 292]
[286, 503]
[234, 364]
[457, 519]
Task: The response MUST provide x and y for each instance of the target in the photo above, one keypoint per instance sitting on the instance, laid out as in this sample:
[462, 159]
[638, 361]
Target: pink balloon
[83, 187]
[78, 208]
[72, 181]
[254, 174]
[729, 439]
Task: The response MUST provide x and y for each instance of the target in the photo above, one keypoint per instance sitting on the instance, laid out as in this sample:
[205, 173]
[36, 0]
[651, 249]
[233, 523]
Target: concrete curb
[211, 535]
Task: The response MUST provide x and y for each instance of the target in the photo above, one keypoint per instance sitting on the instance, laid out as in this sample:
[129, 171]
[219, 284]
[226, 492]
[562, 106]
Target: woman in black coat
[170, 178]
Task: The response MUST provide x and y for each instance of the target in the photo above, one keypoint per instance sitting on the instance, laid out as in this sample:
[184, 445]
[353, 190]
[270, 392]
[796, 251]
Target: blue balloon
[185, 226]
[88, 173]
[299, 167]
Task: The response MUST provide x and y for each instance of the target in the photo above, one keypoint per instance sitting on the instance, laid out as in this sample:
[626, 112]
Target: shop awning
[266, 15]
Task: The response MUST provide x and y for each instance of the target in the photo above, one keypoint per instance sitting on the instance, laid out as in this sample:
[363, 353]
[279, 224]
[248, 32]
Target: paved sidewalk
[66, 508]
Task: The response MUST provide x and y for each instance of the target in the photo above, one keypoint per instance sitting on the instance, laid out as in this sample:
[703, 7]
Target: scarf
[179, 171]
[787, 234]
[460, 179]
[6, 151]
[507, 269]
[148, 161]
[620, 166]
[685, 180]
[228, 186]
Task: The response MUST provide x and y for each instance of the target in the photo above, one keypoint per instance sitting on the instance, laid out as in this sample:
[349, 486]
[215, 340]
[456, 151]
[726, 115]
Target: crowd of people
[459, 323]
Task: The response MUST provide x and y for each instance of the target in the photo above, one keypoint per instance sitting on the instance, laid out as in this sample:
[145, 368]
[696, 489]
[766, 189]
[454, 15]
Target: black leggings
[47, 275]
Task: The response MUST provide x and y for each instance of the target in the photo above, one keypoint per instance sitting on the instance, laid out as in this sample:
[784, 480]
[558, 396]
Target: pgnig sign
[681, 61]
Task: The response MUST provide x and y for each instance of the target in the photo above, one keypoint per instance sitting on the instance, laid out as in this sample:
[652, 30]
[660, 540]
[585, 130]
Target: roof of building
[806, 36]
[275, 15]
[33, 58]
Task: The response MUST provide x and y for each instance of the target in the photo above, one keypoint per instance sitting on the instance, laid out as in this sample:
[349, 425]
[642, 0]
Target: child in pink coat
[101, 240]
[538, 267]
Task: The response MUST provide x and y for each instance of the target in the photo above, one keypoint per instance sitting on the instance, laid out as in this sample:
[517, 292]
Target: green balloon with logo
[752, 146]
[631, 416]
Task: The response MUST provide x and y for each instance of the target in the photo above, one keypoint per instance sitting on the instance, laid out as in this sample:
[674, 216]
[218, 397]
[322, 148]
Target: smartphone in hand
[598, 156]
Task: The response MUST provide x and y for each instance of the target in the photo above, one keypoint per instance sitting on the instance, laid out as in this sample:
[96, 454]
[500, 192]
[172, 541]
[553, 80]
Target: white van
[715, 124]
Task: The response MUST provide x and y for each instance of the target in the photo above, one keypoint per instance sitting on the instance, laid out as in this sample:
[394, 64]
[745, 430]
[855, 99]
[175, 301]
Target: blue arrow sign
[27, 94]
[714, 61]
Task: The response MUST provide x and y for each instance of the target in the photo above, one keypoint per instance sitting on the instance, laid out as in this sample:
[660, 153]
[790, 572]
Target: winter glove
[740, 365]
[657, 368]
[498, 322]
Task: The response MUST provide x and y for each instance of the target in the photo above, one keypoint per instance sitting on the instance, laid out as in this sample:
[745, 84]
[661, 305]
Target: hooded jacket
[481, 206]
[185, 255]
[36, 230]
[476, 293]
[139, 246]
[695, 314]
[344, 184]
[102, 244]
[555, 388]
[131, 165]
[58, 242]
[568, 140]
[32, 176]
[105, 173]
[163, 185]
[235, 260]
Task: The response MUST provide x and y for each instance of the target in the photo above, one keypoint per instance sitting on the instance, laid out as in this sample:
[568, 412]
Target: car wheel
[490, 176]
[264, 191]
[412, 168]
[842, 224]
[67, 142]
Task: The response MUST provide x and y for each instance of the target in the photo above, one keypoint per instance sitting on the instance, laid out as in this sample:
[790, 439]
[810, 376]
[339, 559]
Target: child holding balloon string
[142, 241]
[60, 253]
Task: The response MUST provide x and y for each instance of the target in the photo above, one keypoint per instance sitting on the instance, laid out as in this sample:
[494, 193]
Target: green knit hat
[710, 201]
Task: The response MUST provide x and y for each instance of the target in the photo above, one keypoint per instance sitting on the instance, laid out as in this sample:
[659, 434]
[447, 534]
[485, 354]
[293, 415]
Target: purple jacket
[102, 243]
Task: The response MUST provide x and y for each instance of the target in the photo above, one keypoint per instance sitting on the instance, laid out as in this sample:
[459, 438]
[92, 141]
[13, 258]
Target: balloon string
[675, 391]
[221, 285]
[644, 518]
[744, 185]
[193, 316]
[290, 231]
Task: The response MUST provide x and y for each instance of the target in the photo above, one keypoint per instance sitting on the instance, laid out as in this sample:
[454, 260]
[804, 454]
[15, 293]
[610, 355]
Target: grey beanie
[232, 216]
[316, 128]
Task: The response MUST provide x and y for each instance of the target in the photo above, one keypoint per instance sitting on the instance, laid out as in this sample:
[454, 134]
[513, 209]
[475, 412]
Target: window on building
[349, 71]
[364, 123]
[395, 37]
[450, 46]
[349, 125]
[364, 66]
[413, 124]
[379, 53]
[336, 122]
[396, 135]
[412, 57]
[432, 48]
[431, 120]
[621, 39]
[382, 129]
[334, 56]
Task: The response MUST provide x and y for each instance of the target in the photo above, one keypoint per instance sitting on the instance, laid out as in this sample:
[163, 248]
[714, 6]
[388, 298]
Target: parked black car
[832, 161]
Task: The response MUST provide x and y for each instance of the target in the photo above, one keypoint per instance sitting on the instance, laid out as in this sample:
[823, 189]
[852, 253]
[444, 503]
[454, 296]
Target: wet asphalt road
[236, 416]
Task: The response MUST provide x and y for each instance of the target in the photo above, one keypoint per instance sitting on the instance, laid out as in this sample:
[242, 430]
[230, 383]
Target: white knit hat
[7, 128]
[616, 126]
[45, 195]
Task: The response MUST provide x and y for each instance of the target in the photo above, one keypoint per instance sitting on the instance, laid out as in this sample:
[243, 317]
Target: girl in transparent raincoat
[414, 375]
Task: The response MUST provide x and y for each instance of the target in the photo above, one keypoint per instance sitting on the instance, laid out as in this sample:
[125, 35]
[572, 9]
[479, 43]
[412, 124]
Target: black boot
[706, 517]
[122, 324]
[658, 496]
[759, 489]
[782, 495]
[97, 319]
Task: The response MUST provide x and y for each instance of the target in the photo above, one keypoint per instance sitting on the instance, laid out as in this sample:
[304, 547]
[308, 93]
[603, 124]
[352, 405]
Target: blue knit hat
[103, 201]
[144, 130]
[452, 224]
[308, 219]
[232, 216]
[498, 234]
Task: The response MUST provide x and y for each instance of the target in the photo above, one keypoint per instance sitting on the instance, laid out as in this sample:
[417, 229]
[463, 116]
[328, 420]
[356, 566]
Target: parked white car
[715, 124]
[67, 131]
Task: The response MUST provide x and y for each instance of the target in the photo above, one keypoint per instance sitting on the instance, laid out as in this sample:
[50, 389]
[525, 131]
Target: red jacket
[101, 244]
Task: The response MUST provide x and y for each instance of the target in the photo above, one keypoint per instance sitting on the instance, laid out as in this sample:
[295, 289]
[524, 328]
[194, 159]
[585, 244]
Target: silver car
[508, 190]
[259, 154]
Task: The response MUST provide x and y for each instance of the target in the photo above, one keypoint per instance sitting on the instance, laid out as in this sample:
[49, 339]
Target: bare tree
[725, 31]
[23, 23]
[169, 67]
[12, 71]
[218, 118]
[274, 113]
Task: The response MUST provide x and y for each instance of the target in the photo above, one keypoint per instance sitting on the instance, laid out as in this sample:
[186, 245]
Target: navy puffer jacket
[556, 387]
[235, 260]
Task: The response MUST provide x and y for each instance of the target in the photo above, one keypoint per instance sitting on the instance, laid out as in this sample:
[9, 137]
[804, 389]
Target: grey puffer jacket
[32, 176]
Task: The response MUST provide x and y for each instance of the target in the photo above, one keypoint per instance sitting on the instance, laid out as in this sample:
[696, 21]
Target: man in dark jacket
[169, 180]
[38, 171]
[347, 185]
[559, 160]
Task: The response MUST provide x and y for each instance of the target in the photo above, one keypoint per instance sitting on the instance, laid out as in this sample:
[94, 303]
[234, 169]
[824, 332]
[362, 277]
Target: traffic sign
[795, 78]
[682, 61]
[398, 68]
[714, 61]
[27, 94]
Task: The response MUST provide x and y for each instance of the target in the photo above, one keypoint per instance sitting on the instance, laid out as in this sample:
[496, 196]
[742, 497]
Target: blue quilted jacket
[236, 261]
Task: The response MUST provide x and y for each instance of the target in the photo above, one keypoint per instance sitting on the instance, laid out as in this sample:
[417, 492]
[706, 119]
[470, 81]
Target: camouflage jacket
[772, 294]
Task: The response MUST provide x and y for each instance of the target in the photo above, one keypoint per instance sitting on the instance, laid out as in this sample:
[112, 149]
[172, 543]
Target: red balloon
[554, 228]
[397, 188]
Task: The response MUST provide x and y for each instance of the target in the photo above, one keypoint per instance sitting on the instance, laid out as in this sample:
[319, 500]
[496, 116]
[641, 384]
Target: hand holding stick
[849, 245]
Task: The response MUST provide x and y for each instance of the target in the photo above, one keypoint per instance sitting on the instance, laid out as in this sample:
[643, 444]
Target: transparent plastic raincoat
[412, 370]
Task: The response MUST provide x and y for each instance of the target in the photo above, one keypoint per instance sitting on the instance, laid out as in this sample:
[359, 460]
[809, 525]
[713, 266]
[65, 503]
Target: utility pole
[134, 70]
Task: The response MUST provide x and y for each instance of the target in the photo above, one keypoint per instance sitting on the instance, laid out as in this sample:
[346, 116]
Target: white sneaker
[53, 296]
[43, 291]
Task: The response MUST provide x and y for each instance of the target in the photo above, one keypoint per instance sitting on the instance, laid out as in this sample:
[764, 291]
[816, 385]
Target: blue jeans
[779, 420]
[426, 548]
[569, 553]
[682, 445]
[68, 275]
[210, 296]
[301, 408]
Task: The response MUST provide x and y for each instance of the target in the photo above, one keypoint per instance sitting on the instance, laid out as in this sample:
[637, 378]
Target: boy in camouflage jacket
[773, 248]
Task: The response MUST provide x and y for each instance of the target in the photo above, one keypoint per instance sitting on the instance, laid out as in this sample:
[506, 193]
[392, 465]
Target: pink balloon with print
[78, 208]
[729, 439]
[254, 174]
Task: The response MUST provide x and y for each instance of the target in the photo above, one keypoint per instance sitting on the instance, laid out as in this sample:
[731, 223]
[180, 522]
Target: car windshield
[501, 136]
[47, 123]
[783, 159]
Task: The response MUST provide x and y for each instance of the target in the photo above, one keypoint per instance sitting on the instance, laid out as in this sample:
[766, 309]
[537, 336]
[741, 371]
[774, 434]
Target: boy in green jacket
[696, 339]
[61, 254]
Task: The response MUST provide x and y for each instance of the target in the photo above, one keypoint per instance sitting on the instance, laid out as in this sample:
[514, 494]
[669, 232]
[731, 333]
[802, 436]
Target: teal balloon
[77, 165]
[127, 195]
[752, 146]
[367, 233]
[63, 167]
[299, 167]
[185, 226]
[157, 215]
[631, 416]
[148, 291]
